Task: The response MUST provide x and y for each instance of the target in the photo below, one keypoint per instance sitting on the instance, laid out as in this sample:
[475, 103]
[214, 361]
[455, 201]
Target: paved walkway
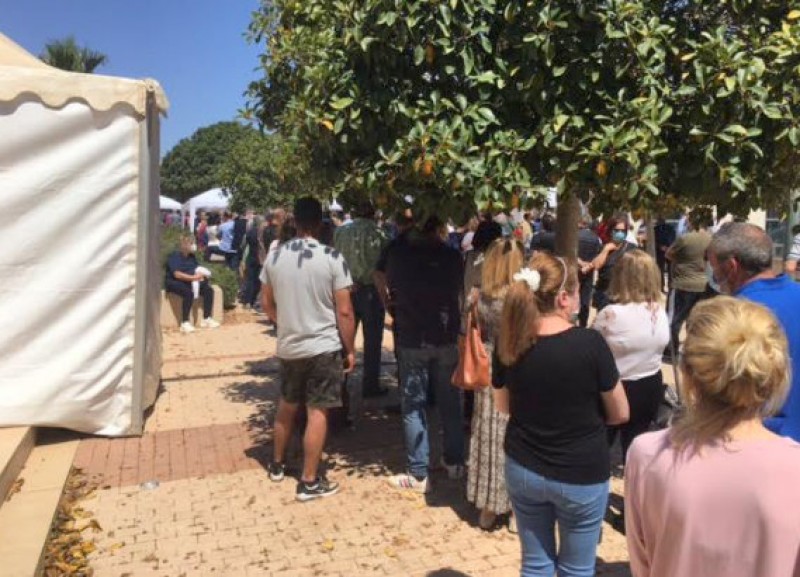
[215, 512]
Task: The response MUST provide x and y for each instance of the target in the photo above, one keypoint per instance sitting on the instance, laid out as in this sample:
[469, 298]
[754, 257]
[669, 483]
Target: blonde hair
[503, 259]
[735, 366]
[523, 307]
[636, 279]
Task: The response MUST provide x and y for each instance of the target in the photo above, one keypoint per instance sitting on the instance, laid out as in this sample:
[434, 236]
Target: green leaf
[560, 121]
[487, 114]
[736, 129]
[772, 111]
[341, 103]
[419, 55]
[366, 41]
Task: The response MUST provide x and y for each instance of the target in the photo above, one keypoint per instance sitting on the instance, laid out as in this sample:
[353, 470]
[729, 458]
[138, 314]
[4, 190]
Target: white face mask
[712, 282]
[193, 248]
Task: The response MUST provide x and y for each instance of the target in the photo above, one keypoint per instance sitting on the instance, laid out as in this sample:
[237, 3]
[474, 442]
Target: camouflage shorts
[315, 381]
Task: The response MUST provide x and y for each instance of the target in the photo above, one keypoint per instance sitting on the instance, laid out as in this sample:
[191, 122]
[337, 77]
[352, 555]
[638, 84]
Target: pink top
[733, 511]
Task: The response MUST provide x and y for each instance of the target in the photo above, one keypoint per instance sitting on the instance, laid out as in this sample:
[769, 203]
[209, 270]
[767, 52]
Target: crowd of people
[713, 494]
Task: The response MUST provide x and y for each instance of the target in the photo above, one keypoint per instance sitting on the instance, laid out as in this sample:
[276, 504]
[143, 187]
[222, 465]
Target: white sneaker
[187, 327]
[409, 483]
[209, 323]
[454, 472]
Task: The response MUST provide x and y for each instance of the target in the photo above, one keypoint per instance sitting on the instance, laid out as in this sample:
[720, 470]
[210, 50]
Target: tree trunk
[568, 215]
[651, 234]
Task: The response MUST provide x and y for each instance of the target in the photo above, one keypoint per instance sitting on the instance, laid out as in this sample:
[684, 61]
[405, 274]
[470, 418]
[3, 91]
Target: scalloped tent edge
[21, 74]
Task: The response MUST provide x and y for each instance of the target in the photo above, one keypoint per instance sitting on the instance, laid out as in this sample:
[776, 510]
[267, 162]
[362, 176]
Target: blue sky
[194, 48]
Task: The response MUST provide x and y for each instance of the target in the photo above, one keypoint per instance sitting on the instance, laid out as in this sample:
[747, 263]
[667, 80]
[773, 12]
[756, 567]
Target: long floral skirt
[486, 483]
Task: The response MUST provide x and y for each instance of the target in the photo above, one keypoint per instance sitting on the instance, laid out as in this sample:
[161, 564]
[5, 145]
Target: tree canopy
[471, 101]
[268, 170]
[193, 165]
[67, 55]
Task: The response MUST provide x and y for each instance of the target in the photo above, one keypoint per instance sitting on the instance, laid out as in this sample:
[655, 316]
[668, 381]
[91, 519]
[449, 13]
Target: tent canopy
[166, 203]
[83, 352]
[214, 199]
[23, 73]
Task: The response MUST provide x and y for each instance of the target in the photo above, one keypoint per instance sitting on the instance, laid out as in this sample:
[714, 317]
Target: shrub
[225, 278]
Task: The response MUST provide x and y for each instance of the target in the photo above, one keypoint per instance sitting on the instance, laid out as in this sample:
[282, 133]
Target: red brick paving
[167, 455]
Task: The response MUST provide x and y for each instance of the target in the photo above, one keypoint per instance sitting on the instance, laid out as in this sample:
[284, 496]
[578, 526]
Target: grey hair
[745, 242]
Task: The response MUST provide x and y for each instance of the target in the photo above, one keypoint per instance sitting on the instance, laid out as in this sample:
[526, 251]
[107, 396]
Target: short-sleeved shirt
[781, 295]
[179, 263]
[304, 275]
[636, 333]
[425, 281]
[226, 230]
[688, 261]
[557, 425]
[361, 243]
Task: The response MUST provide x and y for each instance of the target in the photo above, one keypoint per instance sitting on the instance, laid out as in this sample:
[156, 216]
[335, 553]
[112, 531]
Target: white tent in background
[214, 199]
[166, 203]
[81, 341]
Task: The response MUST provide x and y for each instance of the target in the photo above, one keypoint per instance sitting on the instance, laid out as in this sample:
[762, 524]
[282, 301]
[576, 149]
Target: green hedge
[225, 278]
[221, 275]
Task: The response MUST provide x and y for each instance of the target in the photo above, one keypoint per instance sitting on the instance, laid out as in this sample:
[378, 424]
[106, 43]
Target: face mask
[618, 236]
[712, 282]
[193, 248]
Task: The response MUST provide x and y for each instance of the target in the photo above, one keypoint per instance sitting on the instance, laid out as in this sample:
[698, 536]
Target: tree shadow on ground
[373, 448]
[446, 573]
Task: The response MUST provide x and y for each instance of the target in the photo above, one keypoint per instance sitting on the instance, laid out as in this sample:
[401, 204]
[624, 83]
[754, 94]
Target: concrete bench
[171, 309]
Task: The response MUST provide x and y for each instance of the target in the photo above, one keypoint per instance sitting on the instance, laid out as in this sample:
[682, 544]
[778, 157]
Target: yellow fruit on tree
[602, 169]
[327, 124]
[427, 168]
[430, 54]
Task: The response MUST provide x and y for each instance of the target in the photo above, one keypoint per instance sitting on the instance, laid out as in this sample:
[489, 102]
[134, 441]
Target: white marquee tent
[214, 199]
[79, 273]
[167, 203]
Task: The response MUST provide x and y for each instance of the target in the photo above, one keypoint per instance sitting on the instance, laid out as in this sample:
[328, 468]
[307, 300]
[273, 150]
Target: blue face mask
[618, 236]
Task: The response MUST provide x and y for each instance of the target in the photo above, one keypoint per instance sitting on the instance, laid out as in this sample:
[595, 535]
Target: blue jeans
[420, 369]
[538, 503]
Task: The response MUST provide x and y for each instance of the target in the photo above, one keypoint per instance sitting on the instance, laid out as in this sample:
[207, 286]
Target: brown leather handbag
[472, 372]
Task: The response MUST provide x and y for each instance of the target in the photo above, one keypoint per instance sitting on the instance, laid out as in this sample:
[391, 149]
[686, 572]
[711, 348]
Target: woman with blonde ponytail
[563, 388]
[717, 494]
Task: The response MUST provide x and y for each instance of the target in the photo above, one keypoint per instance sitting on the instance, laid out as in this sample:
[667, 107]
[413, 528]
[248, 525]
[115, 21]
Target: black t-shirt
[383, 259]
[425, 281]
[239, 230]
[252, 244]
[557, 424]
[544, 241]
[605, 272]
[269, 234]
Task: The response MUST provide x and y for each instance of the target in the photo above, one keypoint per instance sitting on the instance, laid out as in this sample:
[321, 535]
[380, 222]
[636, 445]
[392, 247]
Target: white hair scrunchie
[531, 277]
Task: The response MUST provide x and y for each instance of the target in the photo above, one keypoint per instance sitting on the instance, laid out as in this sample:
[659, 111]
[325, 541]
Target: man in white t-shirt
[306, 289]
